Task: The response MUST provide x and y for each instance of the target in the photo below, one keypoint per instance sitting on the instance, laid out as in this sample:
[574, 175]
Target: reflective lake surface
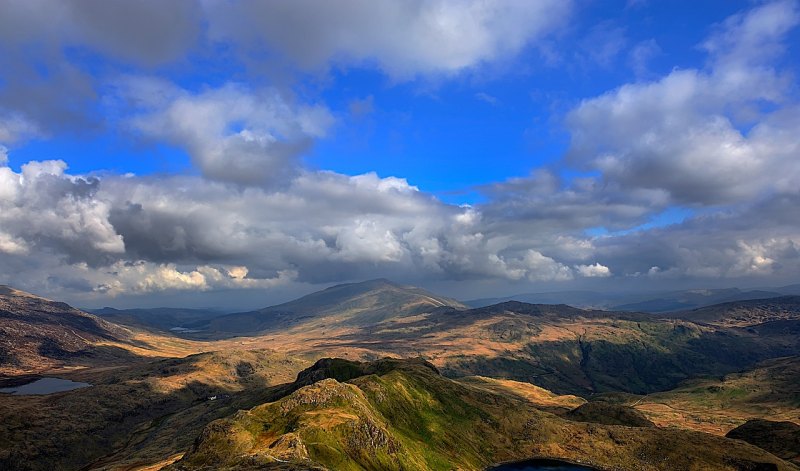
[44, 386]
[540, 465]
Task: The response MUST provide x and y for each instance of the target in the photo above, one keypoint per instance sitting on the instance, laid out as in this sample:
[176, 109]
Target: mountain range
[655, 302]
[421, 382]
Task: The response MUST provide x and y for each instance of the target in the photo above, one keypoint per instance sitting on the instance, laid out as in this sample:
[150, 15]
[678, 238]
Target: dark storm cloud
[43, 90]
[146, 31]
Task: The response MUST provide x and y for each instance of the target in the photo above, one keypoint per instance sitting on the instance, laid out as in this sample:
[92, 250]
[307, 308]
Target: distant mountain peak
[374, 283]
[364, 303]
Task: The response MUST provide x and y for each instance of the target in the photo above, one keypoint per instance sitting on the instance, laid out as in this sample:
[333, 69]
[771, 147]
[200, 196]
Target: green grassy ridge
[409, 417]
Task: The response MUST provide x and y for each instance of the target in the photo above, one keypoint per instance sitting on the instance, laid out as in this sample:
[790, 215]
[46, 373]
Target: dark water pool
[44, 386]
[540, 465]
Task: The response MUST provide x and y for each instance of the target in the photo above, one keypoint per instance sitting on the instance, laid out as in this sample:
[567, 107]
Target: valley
[606, 389]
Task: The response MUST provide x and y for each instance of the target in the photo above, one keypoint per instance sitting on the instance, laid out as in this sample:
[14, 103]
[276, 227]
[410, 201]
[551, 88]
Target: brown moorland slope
[142, 414]
[771, 391]
[37, 333]
[561, 348]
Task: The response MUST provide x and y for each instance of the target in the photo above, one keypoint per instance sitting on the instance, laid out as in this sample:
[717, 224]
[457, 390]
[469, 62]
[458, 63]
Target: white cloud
[43, 204]
[641, 54]
[486, 98]
[132, 235]
[593, 271]
[13, 245]
[13, 128]
[180, 233]
[753, 37]
[256, 219]
[685, 134]
[542, 268]
[144, 277]
[232, 133]
[402, 38]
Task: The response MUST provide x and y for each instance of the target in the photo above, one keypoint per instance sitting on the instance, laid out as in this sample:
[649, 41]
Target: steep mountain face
[354, 305]
[406, 416]
[36, 333]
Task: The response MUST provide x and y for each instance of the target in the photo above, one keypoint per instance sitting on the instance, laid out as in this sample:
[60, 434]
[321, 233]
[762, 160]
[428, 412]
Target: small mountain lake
[43, 386]
[540, 465]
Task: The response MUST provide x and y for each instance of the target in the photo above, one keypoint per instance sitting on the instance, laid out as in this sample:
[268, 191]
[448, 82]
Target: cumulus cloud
[121, 234]
[721, 139]
[144, 277]
[701, 136]
[404, 39]
[232, 133]
[542, 268]
[593, 271]
[546, 200]
[41, 206]
[14, 127]
[47, 86]
[134, 235]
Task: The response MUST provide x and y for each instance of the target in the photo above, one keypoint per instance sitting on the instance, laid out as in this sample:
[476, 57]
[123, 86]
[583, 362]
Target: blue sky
[469, 145]
[444, 134]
